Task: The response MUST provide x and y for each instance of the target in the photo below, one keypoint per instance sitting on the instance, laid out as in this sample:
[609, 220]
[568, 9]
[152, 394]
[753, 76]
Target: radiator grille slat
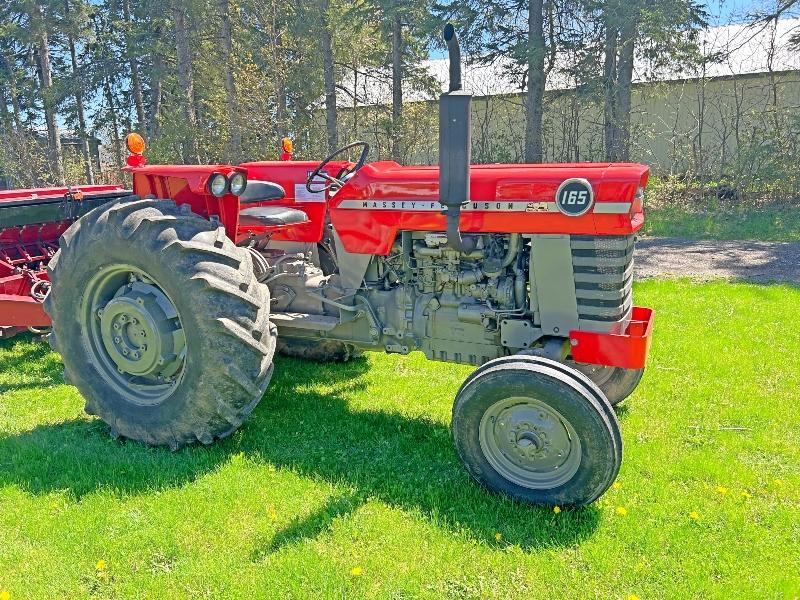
[603, 272]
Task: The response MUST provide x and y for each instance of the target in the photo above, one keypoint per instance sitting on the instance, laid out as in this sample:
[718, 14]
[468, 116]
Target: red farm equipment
[168, 302]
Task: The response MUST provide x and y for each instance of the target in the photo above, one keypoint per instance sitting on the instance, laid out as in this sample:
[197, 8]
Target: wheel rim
[530, 443]
[134, 334]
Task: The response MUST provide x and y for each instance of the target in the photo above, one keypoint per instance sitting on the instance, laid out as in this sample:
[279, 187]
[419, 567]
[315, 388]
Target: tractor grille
[603, 271]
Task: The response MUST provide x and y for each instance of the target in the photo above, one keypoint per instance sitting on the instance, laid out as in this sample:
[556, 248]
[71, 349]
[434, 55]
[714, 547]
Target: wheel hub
[141, 333]
[529, 443]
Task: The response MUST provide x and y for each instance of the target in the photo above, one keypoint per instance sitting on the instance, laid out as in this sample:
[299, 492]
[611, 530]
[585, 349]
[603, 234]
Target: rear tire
[160, 322]
[317, 350]
[538, 431]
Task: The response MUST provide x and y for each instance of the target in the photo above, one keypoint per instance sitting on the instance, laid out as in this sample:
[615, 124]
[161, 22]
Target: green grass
[352, 466]
[774, 224]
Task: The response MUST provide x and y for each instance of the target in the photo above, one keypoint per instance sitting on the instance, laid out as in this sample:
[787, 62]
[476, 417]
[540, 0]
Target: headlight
[238, 183]
[218, 184]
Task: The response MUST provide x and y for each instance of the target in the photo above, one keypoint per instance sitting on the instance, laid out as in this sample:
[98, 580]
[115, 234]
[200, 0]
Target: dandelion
[693, 515]
[498, 536]
[556, 509]
[356, 571]
[101, 564]
[778, 482]
[633, 597]
[4, 595]
[621, 511]
[722, 490]
[616, 485]
[745, 494]
[273, 514]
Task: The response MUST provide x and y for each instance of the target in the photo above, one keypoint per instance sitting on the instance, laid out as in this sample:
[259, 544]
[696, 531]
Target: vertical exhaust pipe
[455, 142]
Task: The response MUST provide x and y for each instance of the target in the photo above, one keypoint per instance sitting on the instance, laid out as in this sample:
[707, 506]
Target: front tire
[160, 322]
[538, 431]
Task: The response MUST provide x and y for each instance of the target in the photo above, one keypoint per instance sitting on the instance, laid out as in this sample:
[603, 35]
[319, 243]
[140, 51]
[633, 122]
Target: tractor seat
[271, 216]
[261, 191]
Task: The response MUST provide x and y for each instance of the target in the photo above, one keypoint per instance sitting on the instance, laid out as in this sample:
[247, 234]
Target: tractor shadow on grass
[402, 461]
[405, 462]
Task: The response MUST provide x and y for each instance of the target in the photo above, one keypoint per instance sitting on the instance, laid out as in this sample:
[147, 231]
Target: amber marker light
[135, 143]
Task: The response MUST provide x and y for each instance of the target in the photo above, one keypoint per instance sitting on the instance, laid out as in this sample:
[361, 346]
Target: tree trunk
[46, 80]
[156, 76]
[112, 111]
[397, 83]
[21, 137]
[77, 84]
[609, 83]
[536, 81]
[5, 116]
[279, 66]
[186, 81]
[136, 85]
[627, 41]
[226, 47]
[12, 92]
[331, 117]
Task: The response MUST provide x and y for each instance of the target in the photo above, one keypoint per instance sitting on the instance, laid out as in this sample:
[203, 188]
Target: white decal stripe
[612, 208]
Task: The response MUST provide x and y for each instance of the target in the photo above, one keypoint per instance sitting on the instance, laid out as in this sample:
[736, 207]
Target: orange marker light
[286, 144]
[135, 143]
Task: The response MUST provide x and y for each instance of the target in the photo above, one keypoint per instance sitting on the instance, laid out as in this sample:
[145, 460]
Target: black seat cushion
[261, 191]
[261, 216]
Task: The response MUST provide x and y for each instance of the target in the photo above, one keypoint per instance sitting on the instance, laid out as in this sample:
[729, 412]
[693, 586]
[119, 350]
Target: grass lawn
[345, 483]
[772, 224]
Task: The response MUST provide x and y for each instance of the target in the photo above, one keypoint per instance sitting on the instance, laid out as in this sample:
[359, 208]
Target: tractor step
[304, 321]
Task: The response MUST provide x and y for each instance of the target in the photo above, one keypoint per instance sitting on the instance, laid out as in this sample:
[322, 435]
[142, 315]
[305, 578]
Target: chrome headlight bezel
[218, 185]
[237, 183]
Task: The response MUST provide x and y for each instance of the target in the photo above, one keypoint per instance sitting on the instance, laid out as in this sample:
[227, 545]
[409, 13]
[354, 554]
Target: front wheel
[160, 322]
[538, 431]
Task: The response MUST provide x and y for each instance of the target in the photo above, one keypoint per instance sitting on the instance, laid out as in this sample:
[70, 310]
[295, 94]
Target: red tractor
[167, 305]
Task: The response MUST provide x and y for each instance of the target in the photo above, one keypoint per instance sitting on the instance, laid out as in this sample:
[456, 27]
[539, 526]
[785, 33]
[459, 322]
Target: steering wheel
[340, 178]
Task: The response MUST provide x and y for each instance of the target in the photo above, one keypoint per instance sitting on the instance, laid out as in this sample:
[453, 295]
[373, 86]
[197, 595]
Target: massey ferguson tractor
[167, 304]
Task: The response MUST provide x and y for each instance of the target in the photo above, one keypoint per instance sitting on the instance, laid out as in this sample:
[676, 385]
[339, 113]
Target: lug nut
[117, 340]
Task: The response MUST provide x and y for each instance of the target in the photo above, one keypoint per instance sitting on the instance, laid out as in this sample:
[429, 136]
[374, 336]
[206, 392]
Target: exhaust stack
[455, 142]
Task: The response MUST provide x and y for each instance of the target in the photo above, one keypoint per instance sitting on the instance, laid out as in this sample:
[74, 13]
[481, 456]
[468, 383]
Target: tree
[40, 27]
[513, 33]
[661, 31]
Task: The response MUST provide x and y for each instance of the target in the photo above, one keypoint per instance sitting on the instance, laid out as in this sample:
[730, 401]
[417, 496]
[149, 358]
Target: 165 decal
[574, 197]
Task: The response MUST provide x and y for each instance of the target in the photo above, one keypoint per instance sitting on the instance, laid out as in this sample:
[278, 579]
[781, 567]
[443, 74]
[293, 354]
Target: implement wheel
[616, 383]
[160, 322]
[538, 431]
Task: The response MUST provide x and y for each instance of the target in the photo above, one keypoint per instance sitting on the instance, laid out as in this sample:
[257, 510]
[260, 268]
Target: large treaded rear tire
[317, 350]
[223, 310]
